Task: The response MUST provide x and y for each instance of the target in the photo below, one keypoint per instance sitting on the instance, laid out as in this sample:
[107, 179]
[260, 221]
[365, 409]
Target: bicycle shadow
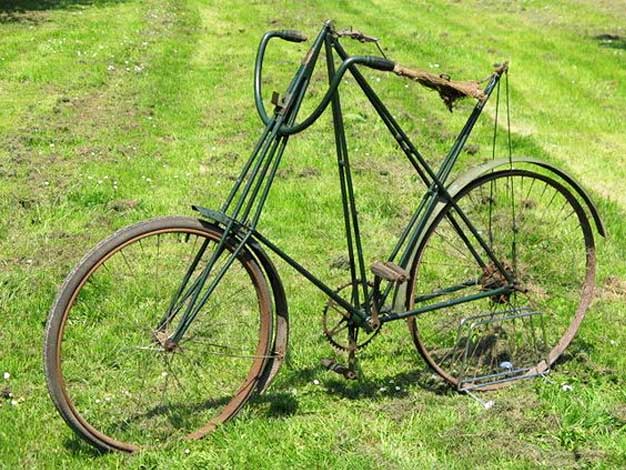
[365, 387]
[398, 384]
[281, 402]
[79, 448]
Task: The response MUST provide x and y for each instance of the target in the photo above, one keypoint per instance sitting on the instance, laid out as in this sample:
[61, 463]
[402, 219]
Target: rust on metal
[357, 35]
[499, 69]
[336, 367]
[449, 90]
[336, 323]
[389, 271]
[163, 338]
[492, 279]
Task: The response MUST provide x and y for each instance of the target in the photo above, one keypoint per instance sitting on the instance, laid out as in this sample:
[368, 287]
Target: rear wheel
[543, 239]
[111, 374]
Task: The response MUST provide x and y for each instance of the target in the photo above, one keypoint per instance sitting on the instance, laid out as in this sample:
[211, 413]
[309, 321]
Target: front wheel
[541, 236]
[110, 374]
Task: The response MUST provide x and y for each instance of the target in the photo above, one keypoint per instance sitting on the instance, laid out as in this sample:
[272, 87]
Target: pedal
[389, 271]
[334, 366]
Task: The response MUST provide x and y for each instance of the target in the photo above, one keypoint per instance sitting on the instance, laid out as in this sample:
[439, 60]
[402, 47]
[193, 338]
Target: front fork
[245, 203]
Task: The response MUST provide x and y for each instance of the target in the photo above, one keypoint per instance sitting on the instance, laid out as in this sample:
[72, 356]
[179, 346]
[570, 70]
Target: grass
[115, 111]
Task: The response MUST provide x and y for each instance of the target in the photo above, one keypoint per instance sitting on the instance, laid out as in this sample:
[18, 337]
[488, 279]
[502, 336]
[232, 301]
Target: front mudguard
[281, 319]
[399, 302]
[281, 312]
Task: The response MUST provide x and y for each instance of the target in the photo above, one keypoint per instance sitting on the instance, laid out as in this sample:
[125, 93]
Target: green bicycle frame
[242, 209]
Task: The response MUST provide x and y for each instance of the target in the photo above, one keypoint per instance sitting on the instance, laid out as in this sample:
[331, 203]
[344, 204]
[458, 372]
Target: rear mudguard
[399, 302]
[280, 314]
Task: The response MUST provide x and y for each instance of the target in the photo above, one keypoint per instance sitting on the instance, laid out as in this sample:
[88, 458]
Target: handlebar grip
[291, 35]
[379, 63]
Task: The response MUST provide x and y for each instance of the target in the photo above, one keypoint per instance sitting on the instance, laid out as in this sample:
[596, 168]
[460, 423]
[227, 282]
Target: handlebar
[373, 62]
[285, 34]
[291, 35]
[377, 63]
[449, 90]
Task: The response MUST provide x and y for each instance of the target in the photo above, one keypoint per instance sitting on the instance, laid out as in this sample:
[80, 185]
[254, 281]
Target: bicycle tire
[558, 291]
[103, 366]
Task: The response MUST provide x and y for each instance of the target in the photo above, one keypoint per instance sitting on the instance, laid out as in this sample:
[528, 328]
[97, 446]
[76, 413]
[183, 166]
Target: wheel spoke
[157, 391]
[537, 228]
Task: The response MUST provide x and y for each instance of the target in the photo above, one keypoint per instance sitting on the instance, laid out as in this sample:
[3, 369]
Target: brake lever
[357, 35]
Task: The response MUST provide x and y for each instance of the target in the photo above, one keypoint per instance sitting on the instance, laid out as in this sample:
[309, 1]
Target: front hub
[163, 339]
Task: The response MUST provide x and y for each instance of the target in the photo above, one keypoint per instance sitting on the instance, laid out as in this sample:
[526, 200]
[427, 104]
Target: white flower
[567, 388]
[6, 376]
[13, 402]
[397, 388]
[382, 389]
[316, 382]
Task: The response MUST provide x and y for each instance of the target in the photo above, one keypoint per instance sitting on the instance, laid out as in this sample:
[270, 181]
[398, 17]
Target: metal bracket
[276, 101]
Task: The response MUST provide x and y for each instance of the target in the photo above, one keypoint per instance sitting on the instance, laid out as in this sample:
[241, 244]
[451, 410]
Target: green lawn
[114, 111]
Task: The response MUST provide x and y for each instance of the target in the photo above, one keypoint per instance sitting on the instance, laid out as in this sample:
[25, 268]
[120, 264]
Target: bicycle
[165, 329]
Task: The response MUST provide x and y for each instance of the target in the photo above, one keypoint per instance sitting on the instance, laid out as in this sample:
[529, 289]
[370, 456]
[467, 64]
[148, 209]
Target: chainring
[336, 325]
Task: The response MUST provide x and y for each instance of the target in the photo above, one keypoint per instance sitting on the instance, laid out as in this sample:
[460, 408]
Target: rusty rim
[238, 393]
[576, 219]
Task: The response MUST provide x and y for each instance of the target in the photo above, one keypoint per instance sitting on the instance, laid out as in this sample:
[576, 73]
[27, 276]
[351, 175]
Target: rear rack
[501, 347]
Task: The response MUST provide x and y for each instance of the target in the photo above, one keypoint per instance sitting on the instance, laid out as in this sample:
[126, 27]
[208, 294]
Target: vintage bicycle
[165, 329]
